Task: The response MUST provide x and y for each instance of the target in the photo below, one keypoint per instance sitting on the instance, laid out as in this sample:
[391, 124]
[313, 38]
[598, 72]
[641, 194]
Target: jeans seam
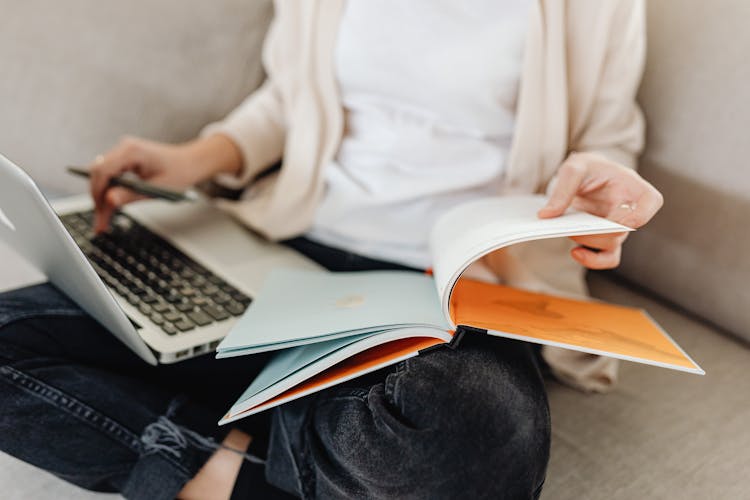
[120, 469]
[298, 461]
[392, 381]
[71, 405]
[81, 411]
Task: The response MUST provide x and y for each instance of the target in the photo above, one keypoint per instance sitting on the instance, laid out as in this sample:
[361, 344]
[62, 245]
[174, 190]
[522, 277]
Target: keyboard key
[200, 301]
[161, 307]
[198, 281]
[185, 306]
[215, 312]
[235, 308]
[200, 318]
[184, 325]
[169, 328]
[241, 298]
[156, 318]
[222, 299]
[150, 298]
[185, 272]
[172, 316]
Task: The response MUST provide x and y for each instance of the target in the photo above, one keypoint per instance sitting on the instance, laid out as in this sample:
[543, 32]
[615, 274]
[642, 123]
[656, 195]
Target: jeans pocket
[391, 388]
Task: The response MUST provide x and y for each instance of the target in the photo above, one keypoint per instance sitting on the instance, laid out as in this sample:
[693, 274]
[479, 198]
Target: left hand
[594, 184]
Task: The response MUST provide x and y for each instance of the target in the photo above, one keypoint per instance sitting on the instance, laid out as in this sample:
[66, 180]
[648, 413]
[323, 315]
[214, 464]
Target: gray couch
[78, 74]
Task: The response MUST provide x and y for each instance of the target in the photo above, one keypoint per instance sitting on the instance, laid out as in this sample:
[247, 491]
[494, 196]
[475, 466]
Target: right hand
[171, 166]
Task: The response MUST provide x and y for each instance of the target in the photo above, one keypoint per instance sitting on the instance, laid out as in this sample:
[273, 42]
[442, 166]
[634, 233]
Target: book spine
[456, 340]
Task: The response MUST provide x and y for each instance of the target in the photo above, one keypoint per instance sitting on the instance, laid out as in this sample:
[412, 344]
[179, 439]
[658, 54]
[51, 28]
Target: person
[383, 115]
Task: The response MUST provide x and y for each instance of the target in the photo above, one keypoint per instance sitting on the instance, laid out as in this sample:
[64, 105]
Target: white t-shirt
[429, 91]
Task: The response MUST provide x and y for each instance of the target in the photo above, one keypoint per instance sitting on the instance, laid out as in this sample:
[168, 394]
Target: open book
[332, 327]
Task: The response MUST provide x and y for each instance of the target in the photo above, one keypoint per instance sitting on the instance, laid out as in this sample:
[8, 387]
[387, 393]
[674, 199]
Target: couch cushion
[661, 434]
[696, 252]
[79, 74]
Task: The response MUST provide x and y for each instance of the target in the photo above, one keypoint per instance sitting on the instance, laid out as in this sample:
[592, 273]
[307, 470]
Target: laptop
[169, 280]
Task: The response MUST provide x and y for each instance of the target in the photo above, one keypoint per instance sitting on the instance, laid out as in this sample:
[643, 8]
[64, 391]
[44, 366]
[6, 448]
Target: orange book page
[619, 331]
[359, 364]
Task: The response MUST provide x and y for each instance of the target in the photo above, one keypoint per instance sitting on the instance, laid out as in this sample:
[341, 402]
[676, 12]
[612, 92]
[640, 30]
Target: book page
[298, 307]
[474, 229]
[594, 327]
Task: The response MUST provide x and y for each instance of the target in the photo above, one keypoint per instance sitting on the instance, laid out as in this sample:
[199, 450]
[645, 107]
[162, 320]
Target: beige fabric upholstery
[78, 74]
[661, 434]
[696, 99]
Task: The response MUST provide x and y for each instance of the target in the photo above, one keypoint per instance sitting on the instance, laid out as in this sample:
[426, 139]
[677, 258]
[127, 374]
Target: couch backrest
[696, 98]
[78, 74]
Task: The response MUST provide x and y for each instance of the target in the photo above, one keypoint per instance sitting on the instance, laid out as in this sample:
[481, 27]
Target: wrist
[215, 154]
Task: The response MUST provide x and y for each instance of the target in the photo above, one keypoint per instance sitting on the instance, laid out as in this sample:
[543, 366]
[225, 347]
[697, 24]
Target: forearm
[213, 155]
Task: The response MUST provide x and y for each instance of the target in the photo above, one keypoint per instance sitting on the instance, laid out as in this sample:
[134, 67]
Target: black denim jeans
[466, 421]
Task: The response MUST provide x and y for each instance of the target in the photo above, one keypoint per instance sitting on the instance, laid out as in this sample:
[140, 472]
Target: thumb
[563, 191]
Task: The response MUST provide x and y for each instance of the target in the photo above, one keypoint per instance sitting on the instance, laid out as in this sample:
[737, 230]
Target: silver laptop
[169, 280]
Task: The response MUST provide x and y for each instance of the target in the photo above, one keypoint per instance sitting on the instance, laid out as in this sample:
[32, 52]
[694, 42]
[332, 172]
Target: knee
[490, 426]
[468, 425]
[496, 420]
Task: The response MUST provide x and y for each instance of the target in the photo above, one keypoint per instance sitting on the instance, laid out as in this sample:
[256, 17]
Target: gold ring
[627, 206]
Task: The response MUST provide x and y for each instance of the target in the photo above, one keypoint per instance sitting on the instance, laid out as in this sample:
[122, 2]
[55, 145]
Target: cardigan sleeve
[257, 126]
[615, 126]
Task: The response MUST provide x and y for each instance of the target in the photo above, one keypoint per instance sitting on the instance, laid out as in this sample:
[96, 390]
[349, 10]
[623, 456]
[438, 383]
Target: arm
[257, 126]
[599, 176]
[614, 125]
[233, 151]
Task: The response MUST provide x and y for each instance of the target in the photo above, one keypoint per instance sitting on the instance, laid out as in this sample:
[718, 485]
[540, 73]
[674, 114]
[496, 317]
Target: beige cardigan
[582, 65]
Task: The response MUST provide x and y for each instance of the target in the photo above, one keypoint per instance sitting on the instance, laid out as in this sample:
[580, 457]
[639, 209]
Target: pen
[141, 187]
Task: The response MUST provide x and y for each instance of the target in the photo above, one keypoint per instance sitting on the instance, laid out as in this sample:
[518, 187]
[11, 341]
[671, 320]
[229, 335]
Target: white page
[296, 307]
[474, 229]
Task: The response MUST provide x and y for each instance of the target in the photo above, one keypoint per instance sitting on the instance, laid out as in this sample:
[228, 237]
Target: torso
[429, 92]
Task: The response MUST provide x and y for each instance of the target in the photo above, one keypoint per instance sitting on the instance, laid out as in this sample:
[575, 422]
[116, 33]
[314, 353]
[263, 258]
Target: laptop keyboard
[173, 290]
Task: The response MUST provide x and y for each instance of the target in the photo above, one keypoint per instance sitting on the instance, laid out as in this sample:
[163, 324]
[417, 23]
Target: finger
[101, 176]
[637, 214]
[607, 259]
[569, 178]
[601, 241]
[114, 198]
[102, 215]
[125, 156]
